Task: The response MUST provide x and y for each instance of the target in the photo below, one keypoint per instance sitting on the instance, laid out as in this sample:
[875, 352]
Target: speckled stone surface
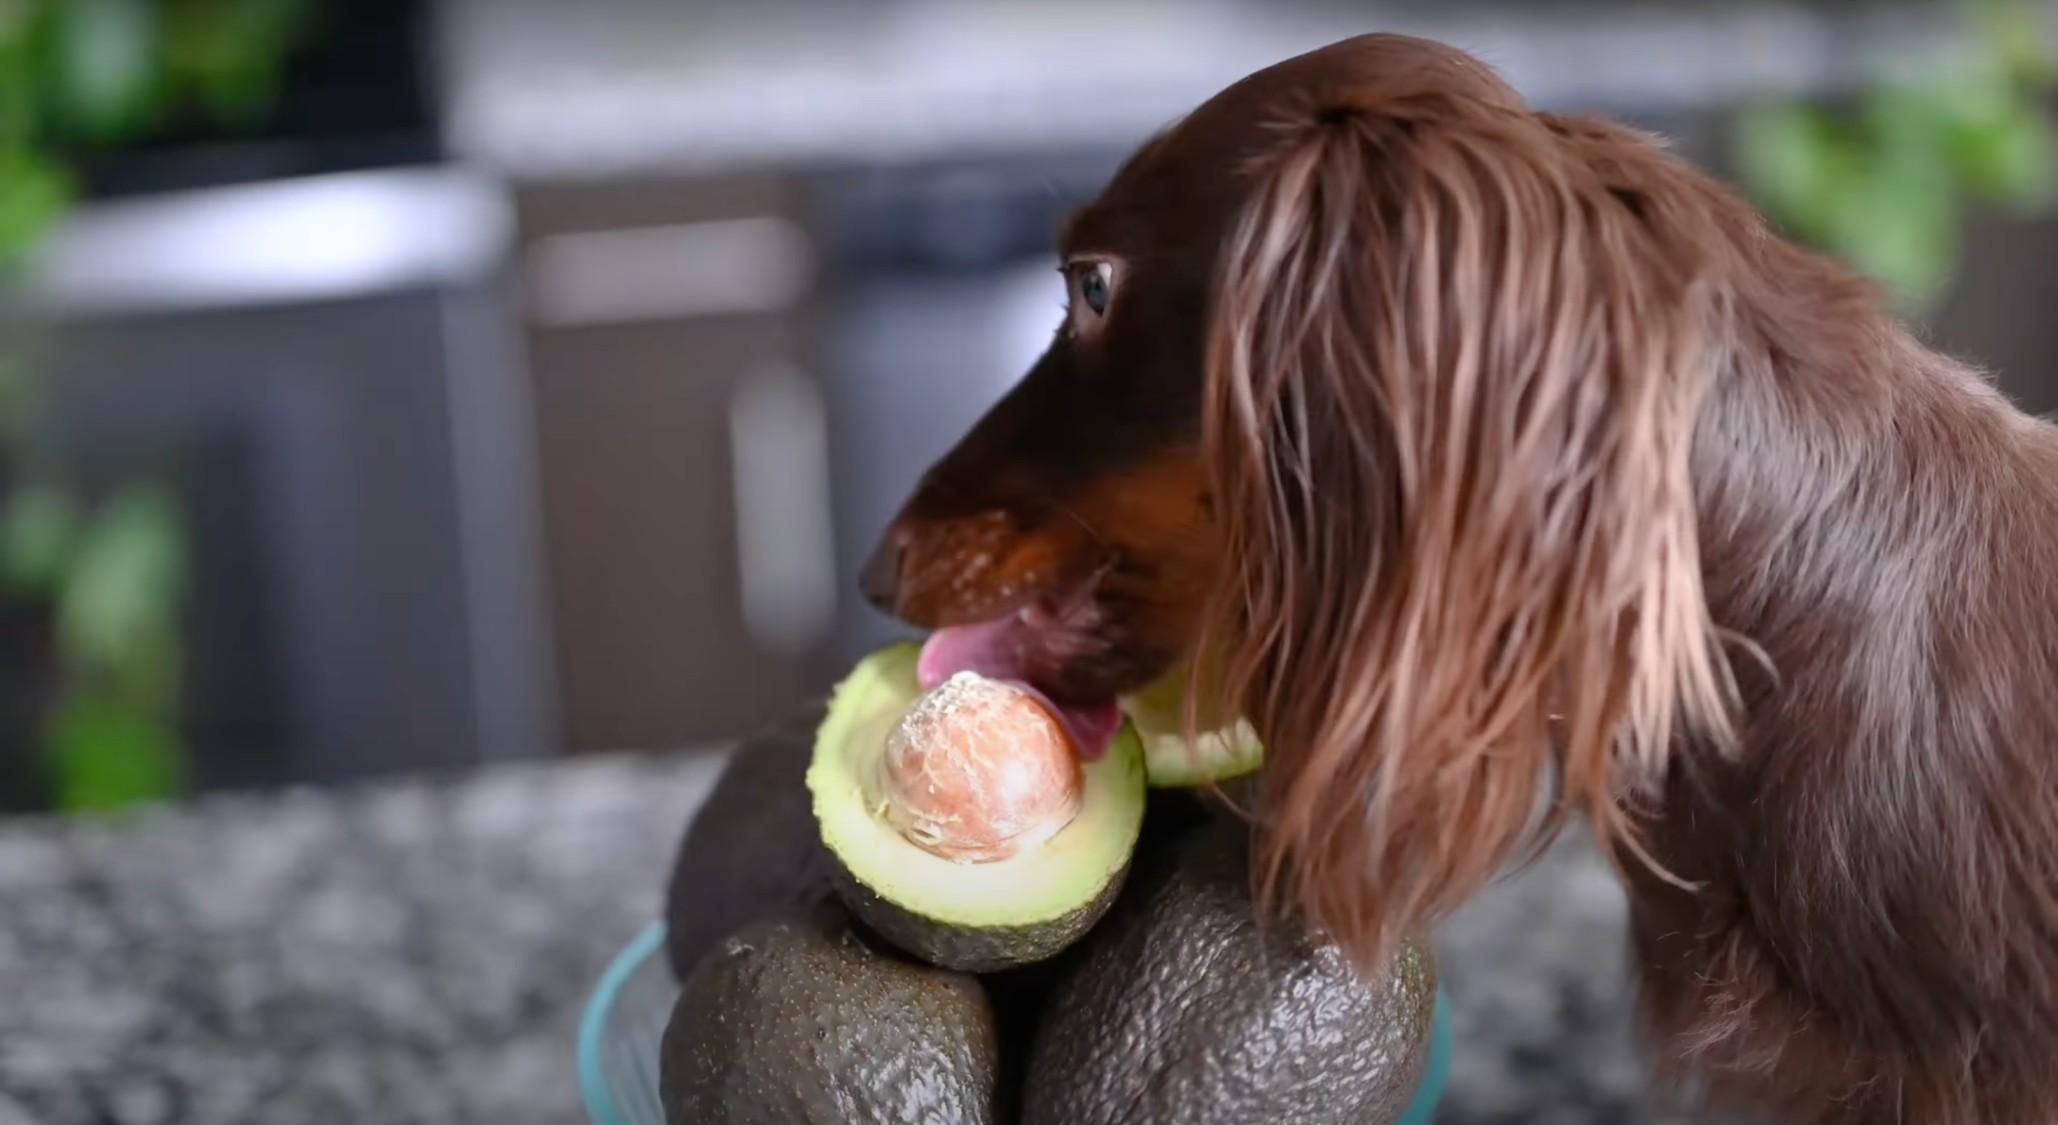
[1542, 1004]
[418, 952]
[408, 953]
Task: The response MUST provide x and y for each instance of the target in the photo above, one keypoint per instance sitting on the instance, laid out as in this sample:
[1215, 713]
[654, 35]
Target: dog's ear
[1452, 382]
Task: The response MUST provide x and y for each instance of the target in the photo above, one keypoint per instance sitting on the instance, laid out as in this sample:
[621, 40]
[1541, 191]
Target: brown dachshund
[1506, 468]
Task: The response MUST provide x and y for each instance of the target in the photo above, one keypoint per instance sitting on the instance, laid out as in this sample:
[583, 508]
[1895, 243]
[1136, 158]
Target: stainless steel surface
[315, 238]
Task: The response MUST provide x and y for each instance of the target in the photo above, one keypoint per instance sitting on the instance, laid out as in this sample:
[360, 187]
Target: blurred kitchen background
[393, 386]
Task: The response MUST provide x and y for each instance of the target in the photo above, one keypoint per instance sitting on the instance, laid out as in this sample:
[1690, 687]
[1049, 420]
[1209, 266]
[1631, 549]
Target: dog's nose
[880, 578]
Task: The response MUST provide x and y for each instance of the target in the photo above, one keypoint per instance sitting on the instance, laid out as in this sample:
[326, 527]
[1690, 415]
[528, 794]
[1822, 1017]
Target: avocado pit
[978, 770]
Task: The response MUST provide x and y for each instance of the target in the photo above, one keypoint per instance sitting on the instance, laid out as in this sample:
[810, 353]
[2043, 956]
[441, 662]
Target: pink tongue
[994, 649]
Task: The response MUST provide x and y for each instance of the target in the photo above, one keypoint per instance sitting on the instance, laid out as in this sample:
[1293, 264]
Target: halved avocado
[974, 916]
[1158, 714]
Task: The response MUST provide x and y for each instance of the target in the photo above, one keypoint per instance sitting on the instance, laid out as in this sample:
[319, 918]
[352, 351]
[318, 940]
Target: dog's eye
[1093, 280]
[1093, 285]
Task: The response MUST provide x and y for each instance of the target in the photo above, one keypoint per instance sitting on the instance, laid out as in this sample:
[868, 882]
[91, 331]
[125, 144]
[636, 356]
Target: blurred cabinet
[682, 446]
[322, 370]
[1997, 315]
[309, 447]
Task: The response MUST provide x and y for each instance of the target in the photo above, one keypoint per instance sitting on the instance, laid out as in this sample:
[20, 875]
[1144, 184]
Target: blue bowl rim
[600, 1105]
[650, 940]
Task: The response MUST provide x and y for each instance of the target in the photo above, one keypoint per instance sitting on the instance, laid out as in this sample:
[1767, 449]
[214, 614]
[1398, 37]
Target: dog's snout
[879, 581]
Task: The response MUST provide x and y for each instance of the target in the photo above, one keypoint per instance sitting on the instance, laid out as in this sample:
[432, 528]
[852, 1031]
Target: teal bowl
[625, 1018]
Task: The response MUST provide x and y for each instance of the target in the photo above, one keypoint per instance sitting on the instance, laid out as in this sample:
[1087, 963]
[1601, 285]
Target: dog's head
[1377, 388]
[1078, 507]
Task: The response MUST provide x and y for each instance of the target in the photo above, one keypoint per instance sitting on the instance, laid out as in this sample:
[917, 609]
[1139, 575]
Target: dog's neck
[1861, 497]
[1882, 527]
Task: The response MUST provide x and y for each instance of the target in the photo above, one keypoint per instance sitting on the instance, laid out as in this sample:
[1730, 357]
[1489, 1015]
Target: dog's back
[1875, 932]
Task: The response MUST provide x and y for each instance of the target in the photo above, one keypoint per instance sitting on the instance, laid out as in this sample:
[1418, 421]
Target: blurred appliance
[300, 325]
[736, 380]
[322, 370]
[680, 438]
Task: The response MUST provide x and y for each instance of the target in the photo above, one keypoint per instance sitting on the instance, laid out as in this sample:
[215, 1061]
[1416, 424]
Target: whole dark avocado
[751, 851]
[1181, 1009]
[1175, 812]
[803, 1021]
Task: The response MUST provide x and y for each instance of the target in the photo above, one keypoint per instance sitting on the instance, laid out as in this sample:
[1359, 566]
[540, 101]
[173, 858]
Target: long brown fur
[1460, 340]
[1542, 479]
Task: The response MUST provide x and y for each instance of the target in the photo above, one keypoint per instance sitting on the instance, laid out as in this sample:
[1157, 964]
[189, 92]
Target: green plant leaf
[20, 394]
[2014, 36]
[33, 193]
[38, 527]
[14, 17]
[103, 754]
[1913, 116]
[20, 22]
[104, 66]
[1884, 187]
[1902, 231]
[1797, 161]
[230, 53]
[2011, 158]
[121, 596]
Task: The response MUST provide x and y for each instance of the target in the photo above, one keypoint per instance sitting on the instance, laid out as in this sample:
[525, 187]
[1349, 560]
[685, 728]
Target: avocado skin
[972, 949]
[803, 1021]
[1180, 1010]
[1174, 811]
[1022, 995]
[1019, 996]
[751, 850]
[1169, 815]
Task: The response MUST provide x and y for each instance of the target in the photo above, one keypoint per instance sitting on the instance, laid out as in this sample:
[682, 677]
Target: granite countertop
[419, 952]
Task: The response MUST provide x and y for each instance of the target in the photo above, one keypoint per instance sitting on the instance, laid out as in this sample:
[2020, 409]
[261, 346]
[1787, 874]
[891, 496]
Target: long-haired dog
[1503, 468]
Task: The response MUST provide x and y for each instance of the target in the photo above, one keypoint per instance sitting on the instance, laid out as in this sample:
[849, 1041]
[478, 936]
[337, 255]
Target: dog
[1506, 469]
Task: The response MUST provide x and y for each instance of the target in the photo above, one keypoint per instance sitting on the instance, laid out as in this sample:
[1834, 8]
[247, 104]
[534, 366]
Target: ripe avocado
[1181, 1009]
[974, 916]
[1223, 749]
[751, 850]
[801, 1021]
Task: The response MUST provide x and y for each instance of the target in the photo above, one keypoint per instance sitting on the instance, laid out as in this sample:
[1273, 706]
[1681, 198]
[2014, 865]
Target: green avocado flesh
[1183, 1008]
[801, 1021]
[1171, 760]
[972, 916]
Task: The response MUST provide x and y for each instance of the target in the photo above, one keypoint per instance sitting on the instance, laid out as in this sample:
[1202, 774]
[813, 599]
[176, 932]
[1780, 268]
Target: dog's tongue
[995, 649]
